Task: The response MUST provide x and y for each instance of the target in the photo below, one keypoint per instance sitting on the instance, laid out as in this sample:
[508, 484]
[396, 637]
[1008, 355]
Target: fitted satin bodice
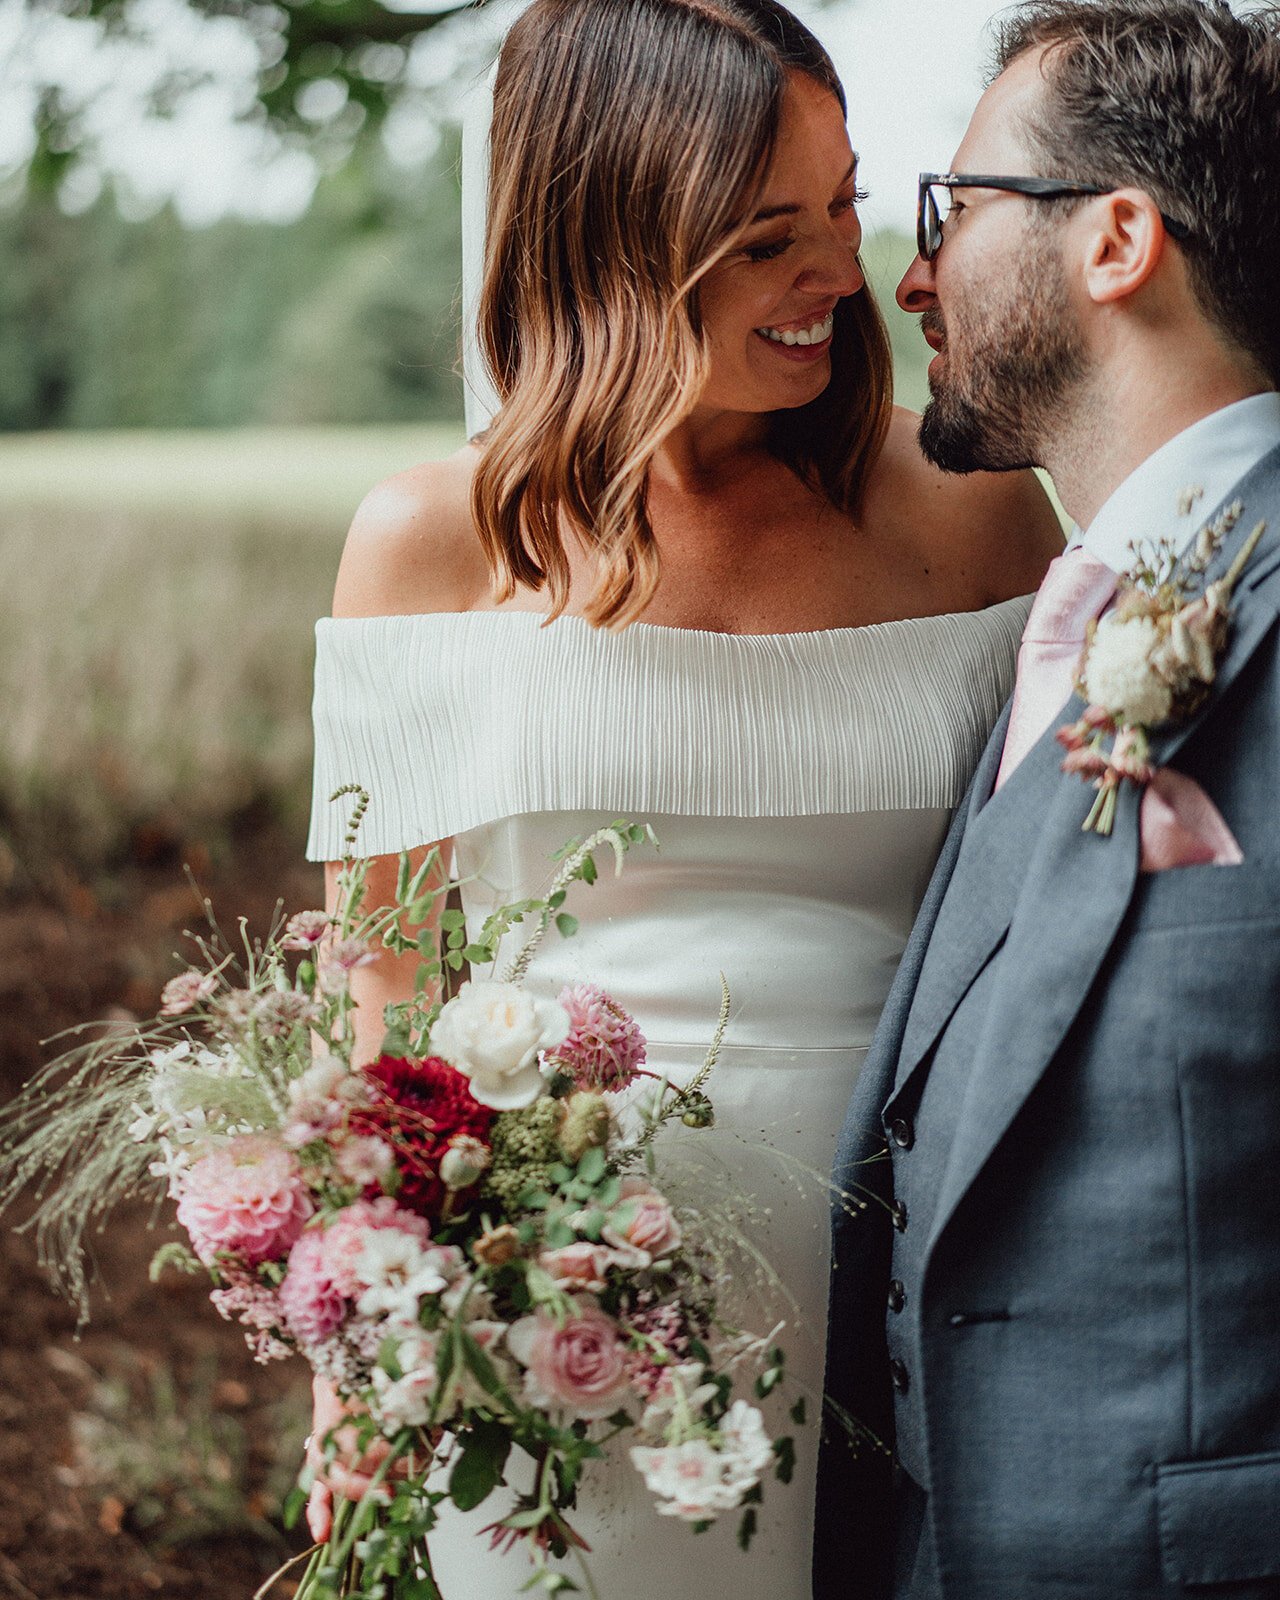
[778, 904]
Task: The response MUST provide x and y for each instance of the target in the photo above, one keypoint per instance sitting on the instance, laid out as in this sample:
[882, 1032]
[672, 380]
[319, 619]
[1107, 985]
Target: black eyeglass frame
[929, 221]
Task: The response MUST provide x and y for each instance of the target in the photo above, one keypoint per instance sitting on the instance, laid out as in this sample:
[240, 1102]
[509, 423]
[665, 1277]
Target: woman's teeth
[814, 335]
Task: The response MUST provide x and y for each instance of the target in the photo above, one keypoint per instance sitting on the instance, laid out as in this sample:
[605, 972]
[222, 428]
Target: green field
[156, 626]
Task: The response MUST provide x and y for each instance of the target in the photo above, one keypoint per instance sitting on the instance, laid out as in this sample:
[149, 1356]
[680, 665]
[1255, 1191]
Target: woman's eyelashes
[771, 249]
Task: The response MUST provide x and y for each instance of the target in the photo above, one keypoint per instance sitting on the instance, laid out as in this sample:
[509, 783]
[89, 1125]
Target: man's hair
[1179, 98]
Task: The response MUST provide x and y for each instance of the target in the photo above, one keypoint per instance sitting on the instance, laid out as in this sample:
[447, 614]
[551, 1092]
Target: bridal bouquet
[469, 1237]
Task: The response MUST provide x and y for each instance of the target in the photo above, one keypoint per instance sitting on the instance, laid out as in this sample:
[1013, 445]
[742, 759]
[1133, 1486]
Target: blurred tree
[347, 315]
[327, 70]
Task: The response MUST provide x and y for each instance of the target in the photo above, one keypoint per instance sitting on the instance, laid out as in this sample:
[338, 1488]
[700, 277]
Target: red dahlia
[418, 1107]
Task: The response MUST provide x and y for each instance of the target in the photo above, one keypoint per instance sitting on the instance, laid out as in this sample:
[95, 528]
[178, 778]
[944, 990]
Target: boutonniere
[1151, 659]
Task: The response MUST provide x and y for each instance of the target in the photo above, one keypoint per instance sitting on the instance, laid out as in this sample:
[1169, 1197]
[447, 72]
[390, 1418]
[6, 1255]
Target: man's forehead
[996, 139]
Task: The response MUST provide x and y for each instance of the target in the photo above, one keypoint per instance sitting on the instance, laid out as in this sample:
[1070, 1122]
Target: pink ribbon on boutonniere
[1180, 826]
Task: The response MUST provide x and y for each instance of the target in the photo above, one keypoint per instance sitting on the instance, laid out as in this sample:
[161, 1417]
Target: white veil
[480, 398]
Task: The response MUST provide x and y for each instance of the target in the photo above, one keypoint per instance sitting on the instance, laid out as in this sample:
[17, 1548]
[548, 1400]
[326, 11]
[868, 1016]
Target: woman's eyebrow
[769, 212]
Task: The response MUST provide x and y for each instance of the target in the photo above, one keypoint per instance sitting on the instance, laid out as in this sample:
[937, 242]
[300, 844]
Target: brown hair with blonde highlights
[629, 141]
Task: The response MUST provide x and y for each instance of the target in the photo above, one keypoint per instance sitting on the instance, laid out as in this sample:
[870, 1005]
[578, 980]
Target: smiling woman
[678, 252]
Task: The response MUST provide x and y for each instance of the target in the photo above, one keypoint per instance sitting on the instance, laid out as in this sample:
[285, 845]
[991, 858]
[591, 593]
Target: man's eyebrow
[769, 212]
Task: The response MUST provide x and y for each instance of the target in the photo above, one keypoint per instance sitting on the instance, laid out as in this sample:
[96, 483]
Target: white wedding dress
[799, 785]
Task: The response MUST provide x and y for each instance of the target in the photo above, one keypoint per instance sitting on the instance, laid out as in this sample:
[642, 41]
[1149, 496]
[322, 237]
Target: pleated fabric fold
[451, 721]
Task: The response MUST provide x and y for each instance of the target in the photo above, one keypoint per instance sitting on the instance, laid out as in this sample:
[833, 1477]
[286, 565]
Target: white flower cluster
[175, 1112]
[1120, 671]
[702, 1477]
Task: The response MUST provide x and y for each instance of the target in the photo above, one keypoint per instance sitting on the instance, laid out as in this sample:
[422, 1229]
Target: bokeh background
[229, 304]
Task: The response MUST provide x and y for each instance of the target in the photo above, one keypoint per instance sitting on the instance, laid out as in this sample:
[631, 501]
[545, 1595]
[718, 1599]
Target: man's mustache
[932, 321]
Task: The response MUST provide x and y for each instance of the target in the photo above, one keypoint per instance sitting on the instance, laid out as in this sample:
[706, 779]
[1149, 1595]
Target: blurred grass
[156, 628]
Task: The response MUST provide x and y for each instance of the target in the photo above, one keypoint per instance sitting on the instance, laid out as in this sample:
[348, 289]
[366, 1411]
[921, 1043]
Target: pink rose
[643, 1221]
[246, 1198]
[578, 1366]
[578, 1266]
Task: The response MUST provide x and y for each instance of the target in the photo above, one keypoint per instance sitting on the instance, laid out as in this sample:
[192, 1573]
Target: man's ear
[1124, 244]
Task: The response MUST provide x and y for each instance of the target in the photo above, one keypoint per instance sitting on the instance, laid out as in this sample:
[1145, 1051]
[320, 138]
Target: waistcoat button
[902, 1133]
[898, 1212]
[897, 1295]
[900, 1376]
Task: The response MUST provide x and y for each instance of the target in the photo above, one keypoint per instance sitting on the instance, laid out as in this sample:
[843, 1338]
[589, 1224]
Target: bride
[697, 573]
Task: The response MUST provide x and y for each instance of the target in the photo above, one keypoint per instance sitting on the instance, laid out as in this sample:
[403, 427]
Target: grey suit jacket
[1095, 1342]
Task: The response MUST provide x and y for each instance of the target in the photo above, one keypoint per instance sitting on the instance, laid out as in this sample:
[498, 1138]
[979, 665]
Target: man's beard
[1021, 359]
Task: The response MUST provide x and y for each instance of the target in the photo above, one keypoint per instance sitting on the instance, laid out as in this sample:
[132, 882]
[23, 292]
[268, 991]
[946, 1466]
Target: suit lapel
[997, 837]
[1075, 887]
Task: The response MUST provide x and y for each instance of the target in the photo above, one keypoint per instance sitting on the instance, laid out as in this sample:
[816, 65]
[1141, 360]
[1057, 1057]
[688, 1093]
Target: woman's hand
[350, 1473]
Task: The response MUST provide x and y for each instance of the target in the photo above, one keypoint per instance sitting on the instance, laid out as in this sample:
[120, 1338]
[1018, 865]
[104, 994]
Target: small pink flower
[364, 1160]
[188, 989]
[339, 959]
[245, 1198]
[643, 1221]
[344, 1237]
[312, 1304]
[578, 1266]
[604, 1048]
[1085, 761]
[305, 929]
[578, 1366]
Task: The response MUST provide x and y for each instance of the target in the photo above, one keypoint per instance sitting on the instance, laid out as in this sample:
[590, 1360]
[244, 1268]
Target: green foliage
[346, 315]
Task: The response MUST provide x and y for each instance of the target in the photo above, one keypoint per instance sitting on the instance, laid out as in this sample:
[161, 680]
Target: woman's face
[767, 308]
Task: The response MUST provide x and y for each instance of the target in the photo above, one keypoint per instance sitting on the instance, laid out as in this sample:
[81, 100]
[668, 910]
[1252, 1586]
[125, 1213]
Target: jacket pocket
[1220, 1520]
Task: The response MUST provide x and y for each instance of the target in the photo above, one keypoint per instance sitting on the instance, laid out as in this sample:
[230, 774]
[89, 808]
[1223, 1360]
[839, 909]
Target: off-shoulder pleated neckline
[454, 720]
[427, 617]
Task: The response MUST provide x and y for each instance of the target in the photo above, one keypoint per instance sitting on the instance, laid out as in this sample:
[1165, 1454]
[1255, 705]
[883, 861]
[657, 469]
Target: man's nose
[918, 289]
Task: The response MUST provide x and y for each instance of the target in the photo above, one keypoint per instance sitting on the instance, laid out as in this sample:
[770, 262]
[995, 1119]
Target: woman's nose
[835, 269]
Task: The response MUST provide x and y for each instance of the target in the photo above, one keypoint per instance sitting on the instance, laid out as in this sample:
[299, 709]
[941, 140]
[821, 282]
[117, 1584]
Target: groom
[1056, 1288]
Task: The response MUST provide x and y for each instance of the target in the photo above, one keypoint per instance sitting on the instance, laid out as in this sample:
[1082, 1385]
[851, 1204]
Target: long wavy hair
[630, 140]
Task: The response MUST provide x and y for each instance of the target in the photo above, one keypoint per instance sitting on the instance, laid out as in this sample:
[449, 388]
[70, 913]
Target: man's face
[996, 302]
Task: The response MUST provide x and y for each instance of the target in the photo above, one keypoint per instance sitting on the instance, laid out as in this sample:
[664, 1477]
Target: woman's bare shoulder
[412, 546]
[993, 532]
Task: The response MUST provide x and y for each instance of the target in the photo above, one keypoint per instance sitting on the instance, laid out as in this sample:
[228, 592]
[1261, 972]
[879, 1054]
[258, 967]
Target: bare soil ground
[222, 1434]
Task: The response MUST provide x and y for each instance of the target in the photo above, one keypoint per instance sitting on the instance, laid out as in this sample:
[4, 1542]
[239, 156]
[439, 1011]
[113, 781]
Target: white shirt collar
[1211, 455]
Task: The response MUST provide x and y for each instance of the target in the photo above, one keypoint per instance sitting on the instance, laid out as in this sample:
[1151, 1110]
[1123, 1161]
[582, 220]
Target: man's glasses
[929, 219]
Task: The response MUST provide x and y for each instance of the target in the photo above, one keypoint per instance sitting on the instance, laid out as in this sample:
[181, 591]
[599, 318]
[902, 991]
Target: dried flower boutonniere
[1151, 659]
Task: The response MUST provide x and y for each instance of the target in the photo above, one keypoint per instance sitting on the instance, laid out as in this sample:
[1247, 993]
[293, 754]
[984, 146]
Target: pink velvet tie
[1075, 589]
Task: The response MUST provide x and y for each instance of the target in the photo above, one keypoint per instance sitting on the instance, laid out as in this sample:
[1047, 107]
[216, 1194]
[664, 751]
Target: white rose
[1119, 675]
[492, 1033]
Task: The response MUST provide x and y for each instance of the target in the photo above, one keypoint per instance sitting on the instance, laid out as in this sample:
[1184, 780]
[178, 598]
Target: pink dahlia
[313, 1305]
[245, 1198]
[605, 1048]
[344, 1237]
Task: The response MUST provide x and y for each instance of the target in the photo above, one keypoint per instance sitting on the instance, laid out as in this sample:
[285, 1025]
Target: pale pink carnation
[245, 1198]
[604, 1048]
[312, 1304]
[188, 989]
[578, 1366]
[344, 1237]
[643, 1221]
